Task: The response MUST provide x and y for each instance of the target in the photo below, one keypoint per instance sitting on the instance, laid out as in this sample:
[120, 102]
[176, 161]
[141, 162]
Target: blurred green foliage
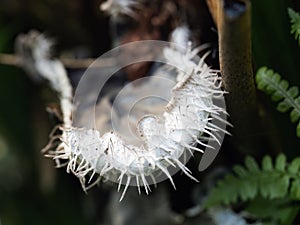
[275, 47]
[288, 97]
[272, 185]
[271, 191]
[295, 21]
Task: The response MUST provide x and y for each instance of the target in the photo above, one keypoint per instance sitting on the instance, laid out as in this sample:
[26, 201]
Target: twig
[14, 60]
[9, 59]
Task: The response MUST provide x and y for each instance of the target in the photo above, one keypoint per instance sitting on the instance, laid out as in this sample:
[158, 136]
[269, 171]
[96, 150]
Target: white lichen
[120, 7]
[184, 125]
[34, 50]
[181, 35]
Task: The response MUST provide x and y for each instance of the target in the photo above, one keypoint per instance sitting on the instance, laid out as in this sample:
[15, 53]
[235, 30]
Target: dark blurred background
[32, 191]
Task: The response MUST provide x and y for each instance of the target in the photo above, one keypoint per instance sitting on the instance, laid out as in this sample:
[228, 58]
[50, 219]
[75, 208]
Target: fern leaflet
[276, 183]
[249, 181]
[295, 21]
[271, 83]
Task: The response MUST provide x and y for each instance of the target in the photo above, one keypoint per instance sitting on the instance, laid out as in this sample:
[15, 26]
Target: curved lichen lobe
[164, 138]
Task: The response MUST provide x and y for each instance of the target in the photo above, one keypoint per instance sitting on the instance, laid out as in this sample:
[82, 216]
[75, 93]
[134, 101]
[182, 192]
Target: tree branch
[233, 21]
[14, 60]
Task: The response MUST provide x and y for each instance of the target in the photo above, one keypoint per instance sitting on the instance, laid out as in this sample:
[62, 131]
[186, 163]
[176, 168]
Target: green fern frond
[275, 212]
[295, 21]
[271, 83]
[272, 181]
